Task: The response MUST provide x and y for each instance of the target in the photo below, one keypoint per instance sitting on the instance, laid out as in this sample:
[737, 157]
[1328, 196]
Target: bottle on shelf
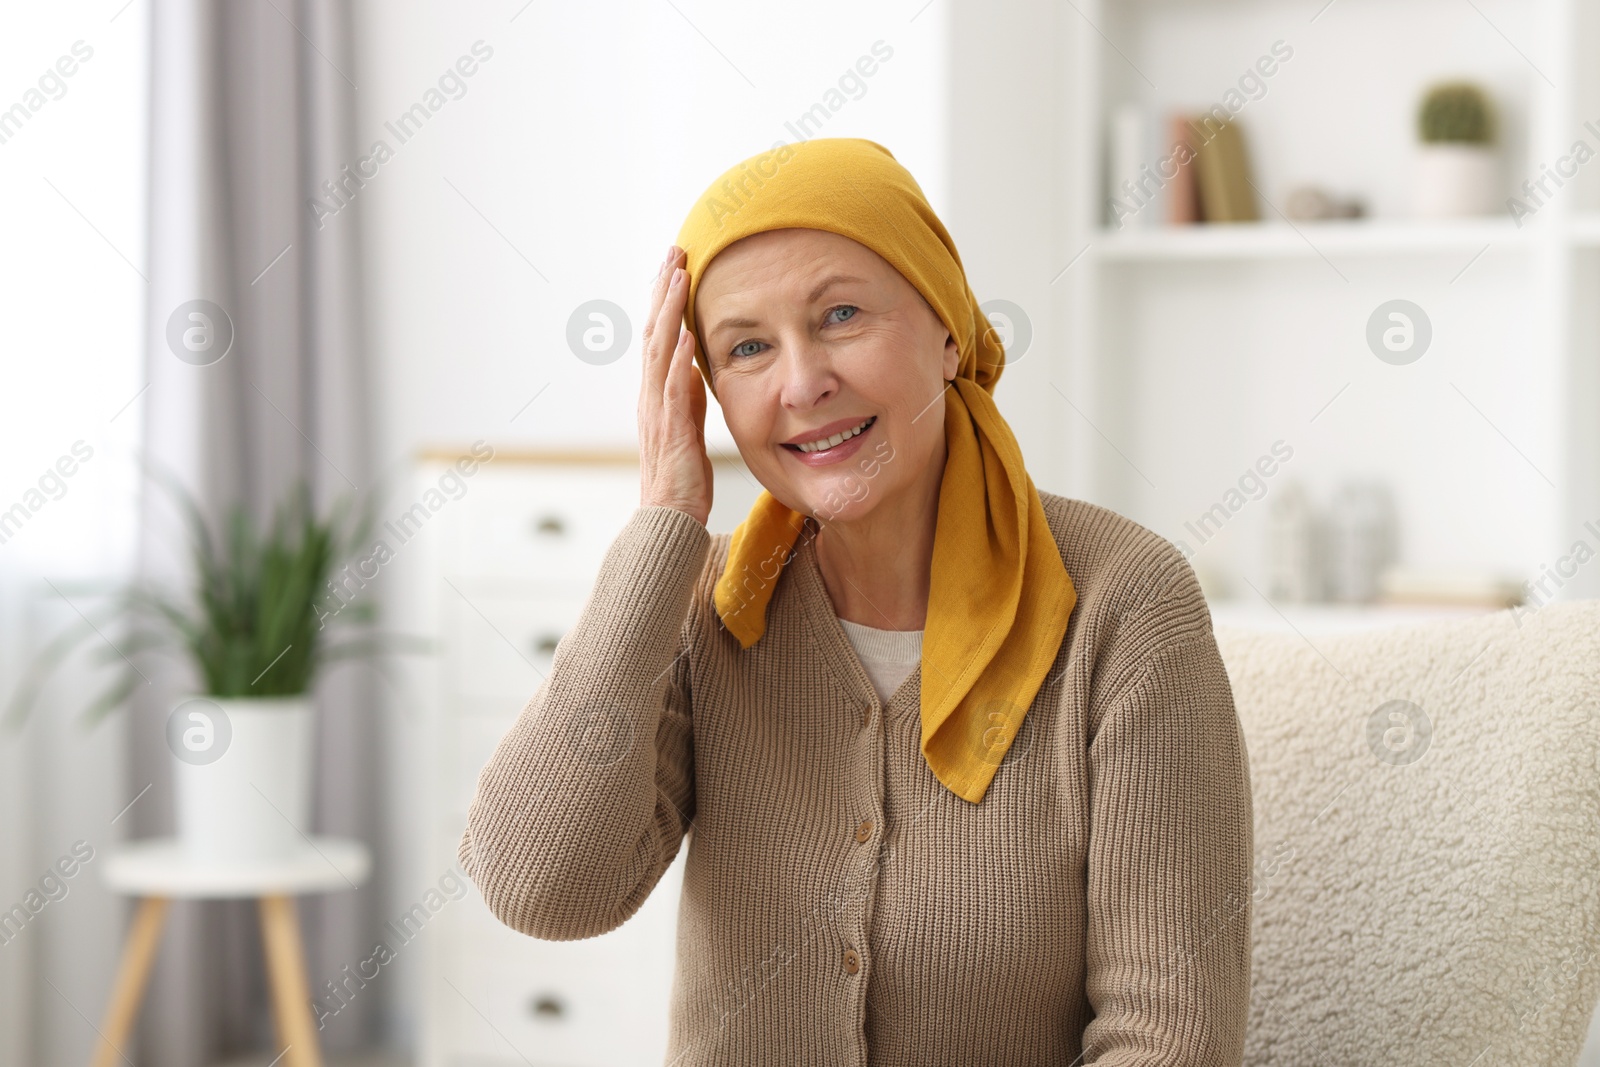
[1294, 570]
[1362, 540]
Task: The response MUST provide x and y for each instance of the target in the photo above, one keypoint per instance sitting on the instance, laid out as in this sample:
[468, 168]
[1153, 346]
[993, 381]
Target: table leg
[286, 968]
[138, 953]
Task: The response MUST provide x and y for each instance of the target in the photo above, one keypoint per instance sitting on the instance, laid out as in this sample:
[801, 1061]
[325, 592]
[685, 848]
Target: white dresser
[504, 570]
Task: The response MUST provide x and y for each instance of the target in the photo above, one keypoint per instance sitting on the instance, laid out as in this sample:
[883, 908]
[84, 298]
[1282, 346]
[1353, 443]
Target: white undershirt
[888, 655]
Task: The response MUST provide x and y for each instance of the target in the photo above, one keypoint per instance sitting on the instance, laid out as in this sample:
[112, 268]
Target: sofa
[1427, 835]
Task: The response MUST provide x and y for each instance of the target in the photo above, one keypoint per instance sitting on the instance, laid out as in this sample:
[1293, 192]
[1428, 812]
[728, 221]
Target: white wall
[565, 170]
[1011, 179]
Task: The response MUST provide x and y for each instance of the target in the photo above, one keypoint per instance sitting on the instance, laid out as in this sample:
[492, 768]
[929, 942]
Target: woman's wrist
[688, 509]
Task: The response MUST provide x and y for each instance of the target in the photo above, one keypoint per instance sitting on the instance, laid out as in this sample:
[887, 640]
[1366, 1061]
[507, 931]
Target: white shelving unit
[1228, 338]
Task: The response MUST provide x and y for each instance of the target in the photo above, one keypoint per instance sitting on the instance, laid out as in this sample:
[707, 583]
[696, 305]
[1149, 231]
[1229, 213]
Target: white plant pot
[242, 767]
[1456, 180]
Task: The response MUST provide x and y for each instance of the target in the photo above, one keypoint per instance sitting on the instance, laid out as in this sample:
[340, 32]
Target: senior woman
[956, 759]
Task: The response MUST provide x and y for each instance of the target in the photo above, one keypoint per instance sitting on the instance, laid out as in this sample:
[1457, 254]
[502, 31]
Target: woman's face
[810, 334]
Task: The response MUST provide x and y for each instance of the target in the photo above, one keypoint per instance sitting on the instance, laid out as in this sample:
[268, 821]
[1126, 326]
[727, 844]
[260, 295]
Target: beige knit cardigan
[839, 905]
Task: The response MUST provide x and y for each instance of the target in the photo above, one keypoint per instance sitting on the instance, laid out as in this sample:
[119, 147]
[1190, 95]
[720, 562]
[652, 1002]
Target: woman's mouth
[832, 449]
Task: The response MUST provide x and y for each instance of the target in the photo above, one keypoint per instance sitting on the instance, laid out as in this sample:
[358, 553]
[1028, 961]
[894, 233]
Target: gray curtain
[252, 105]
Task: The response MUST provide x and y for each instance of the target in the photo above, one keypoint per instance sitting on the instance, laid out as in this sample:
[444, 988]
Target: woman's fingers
[674, 469]
[654, 351]
[685, 391]
[669, 321]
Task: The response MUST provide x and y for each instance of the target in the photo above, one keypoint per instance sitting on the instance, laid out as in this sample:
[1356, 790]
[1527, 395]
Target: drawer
[538, 1008]
[552, 523]
[500, 647]
[601, 1000]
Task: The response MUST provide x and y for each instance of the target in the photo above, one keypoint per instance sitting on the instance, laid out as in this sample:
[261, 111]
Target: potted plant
[1457, 171]
[258, 627]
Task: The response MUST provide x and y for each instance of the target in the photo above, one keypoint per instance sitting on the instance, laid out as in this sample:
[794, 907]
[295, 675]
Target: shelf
[1279, 240]
[1330, 618]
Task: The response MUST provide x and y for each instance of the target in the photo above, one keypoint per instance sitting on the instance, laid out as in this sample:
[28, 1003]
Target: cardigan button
[852, 961]
[863, 831]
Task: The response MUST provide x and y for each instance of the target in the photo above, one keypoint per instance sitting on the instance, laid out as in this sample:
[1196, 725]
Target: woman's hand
[674, 469]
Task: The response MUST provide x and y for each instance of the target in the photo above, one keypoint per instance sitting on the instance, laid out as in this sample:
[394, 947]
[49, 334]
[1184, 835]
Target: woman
[956, 758]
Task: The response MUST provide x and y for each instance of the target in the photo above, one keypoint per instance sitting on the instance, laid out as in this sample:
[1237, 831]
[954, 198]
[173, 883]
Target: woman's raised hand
[674, 469]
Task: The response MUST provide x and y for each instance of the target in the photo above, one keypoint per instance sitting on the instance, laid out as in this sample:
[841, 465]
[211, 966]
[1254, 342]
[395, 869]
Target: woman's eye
[752, 348]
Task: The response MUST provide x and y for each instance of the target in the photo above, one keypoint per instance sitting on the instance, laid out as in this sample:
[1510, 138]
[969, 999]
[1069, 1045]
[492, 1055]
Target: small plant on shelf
[1458, 169]
[1456, 113]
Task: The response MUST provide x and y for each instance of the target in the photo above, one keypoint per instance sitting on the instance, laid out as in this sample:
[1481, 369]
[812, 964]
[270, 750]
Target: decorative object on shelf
[256, 634]
[1362, 540]
[1128, 188]
[1294, 550]
[1315, 202]
[1457, 167]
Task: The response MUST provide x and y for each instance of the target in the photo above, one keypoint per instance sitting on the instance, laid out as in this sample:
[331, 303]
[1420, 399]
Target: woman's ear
[952, 357]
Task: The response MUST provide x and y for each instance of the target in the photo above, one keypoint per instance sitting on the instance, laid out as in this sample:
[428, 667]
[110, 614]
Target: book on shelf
[1215, 185]
[1183, 193]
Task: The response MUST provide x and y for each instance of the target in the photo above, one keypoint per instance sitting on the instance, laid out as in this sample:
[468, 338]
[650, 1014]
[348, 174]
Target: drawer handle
[545, 645]
[549, 526]
[547, 1007]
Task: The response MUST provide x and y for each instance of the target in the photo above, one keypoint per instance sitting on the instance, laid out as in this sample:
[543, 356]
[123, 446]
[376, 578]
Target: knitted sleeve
[1170, 857]
[587, 797]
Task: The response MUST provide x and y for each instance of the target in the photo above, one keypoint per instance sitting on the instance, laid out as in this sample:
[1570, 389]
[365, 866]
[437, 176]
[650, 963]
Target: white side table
[157, 870]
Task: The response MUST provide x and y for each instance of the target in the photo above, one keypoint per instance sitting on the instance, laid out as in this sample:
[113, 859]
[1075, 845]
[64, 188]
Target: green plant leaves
[1455, 112]
[250, 626]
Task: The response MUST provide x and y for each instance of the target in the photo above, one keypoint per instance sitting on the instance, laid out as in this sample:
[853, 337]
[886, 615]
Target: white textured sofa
[1427, 816]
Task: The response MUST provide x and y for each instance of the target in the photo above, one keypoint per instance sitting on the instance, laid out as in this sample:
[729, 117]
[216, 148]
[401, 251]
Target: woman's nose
[807, 374]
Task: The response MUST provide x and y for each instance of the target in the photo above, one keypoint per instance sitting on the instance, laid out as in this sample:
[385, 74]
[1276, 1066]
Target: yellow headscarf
[999, 595]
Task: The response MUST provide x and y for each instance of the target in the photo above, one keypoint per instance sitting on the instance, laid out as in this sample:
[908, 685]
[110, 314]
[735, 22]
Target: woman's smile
[835, 452]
